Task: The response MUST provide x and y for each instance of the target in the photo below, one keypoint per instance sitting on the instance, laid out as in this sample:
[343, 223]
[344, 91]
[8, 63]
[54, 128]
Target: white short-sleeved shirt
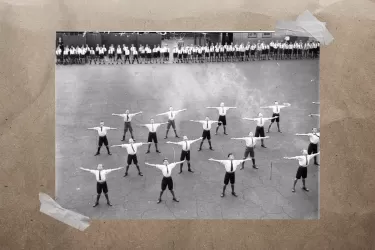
[58, 52]
[131, 148]
[260, 121]
[172, 115]
[314, 137]
[153, 127]
[135, 52]
[227, 164]
[103, 174]
[127, 117]
[207, 124]
[276, 109]
[304, 160]
[127, 52]
[118, 50]
[92, 52]
[186, 145]
[102, 131]
[222, 110]
[250, 141]
[164, 168]
[97, 48]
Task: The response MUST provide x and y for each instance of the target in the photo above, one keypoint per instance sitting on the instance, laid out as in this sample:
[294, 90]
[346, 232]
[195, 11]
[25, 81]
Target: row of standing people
[230, 164]
[278, 50]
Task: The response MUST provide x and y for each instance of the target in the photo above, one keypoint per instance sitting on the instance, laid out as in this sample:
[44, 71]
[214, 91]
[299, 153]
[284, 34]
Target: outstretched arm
[318, 115]
[291, 158]
[316, 102]
[267, 107]
[181, 110]
[112, 128]
[179, 162]
[171, 142]
[249, 119]
[312, 155]
[219, 161]
[152, 165]
[211, 107]
[195, 121]
[161, 114]
[113, 169]
[115, 146]
[259, 138]
[118, 114]
[140, 112]
[85, 169]
[94, 128]
[303, 134]
[163, 123]
[231, 107]
[200, 138]
[243, 138]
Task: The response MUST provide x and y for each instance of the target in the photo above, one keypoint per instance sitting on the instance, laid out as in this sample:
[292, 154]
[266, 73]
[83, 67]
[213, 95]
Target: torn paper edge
[307, 25]
[49, 207]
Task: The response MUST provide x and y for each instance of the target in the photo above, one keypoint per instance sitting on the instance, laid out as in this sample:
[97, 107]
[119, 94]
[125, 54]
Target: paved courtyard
[87, 94]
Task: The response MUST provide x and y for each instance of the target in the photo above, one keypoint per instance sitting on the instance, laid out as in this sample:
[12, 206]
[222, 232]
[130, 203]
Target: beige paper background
[27, 33]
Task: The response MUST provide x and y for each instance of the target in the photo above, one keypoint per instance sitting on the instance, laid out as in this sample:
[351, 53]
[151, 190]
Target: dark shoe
[293, 190]
[157, 151]
[225, 134]
[234, 194]
[264, 146]
[180, 172]
[211, 149]
[191, 171]
[166, 137]
[97, 154]
[242, 168]
[148, 151]
[109, 204]
[159, 201]
[96, 204]
[109, 153]
[255, 167]
[140, 174]
[216, 133]
[126, 174]
[306, 189]
[174, 199]
[280, 131]
[177, 136]
[123, 139]
[315, 163]
[268, 131]
[200, 149]
[222, 195]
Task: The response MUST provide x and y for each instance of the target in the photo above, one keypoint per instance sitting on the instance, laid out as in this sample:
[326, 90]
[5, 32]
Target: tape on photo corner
[49, 207]
[307, 25]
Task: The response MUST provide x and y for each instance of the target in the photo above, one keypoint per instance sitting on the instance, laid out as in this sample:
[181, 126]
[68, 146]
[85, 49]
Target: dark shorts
[110, 55]
[249, 151]
[180, 56]
[167, 181]
[259, 132]
[171, 123]
[165, 54]
[301, 172]
[253, 52]
[135, 57]
[152, 137]
[103, 139]
[132, 158]
[128, 126]
[101, 187]
[142, 55]
[247, 52]
[174, 55]
[101, 56]
[118, 56]
[229, 177]
[206, 134]
[312, 149]
[222, 120]
[277, 119]
[185, 55]
[126, 57]
[185, 155]
[207, 54]
[148, 55]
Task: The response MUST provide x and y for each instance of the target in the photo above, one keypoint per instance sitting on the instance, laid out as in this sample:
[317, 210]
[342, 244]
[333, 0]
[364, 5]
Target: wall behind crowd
[244, 38]
[92, 39]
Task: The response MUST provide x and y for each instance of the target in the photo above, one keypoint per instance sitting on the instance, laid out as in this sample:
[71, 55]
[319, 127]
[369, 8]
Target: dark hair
[230, 154]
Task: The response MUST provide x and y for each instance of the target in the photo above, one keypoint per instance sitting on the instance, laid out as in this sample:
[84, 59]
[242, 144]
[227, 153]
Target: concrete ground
[87, 94]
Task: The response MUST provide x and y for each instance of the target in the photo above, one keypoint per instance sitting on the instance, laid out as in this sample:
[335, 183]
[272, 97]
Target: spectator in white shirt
[207, 124]
[131, 148]
[222, 116]
[276, 114]
[230, 167]
[171, 120]
[250, 144]
[167, 181]
[101, 182]
[304, 161]
[118, 53]
[185, 153]
[102, 132]
[152, 137]
[259, 131]
[313, 146]
[127, 122]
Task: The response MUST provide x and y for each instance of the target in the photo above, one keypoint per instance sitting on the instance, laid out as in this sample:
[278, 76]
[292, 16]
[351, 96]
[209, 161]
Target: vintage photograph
[187, 125]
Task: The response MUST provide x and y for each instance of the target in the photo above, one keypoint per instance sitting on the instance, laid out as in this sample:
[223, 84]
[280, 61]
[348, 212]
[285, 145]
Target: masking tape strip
[49, 207]
[308, 25]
